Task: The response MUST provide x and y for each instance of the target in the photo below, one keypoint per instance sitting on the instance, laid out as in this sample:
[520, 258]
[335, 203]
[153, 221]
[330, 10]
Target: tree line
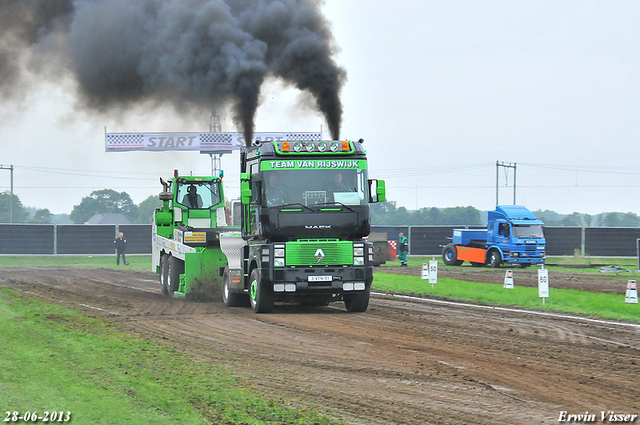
[388, 213]
[103, 201]
[382, 214]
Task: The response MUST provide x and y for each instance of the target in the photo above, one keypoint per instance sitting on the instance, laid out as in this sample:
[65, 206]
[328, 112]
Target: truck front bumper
[333, 280]
[524, 259]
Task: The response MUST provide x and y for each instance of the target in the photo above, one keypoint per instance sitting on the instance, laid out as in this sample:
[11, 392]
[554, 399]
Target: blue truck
[513, 236]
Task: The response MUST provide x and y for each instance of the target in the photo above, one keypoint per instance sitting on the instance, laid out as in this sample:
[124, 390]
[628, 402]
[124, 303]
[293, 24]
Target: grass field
[57, 360]
[136, 262]
[578, 264]
[597, 305]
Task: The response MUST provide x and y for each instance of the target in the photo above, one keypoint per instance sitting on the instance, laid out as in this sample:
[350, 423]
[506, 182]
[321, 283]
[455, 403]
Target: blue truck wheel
[495, 259]
[450, 255]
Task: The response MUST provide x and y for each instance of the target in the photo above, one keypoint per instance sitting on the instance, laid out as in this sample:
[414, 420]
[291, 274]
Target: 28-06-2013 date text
[47, 417]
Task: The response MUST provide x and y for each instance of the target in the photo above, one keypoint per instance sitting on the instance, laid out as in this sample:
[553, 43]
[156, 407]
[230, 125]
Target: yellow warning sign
[195, 237]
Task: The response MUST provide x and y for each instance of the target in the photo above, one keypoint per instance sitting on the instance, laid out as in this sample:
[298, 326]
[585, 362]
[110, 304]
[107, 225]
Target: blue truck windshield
[528, 231]
[314, 187]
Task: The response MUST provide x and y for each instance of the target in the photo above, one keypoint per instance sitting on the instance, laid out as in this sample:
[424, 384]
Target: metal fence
[69, 239]
[561, 241]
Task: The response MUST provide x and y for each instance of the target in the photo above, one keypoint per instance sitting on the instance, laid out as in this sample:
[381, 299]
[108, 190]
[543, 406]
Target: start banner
[204, 142]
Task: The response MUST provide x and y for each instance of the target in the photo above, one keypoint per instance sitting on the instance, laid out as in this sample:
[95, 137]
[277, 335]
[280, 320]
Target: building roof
[109, 218]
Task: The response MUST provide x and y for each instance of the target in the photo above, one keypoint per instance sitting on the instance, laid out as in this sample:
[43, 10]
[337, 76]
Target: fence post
[582, 242]
[55, 239]
[117, 228]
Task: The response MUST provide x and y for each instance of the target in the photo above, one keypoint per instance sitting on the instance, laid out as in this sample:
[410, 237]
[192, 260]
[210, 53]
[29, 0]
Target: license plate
[319, 278]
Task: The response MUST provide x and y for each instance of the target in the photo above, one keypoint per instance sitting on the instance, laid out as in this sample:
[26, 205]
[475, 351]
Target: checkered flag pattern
[214, 138]
[305, 137]
[392, 248]
[124, 141]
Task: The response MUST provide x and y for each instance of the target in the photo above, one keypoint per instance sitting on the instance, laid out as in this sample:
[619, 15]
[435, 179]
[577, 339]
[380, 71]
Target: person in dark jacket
[121, 247]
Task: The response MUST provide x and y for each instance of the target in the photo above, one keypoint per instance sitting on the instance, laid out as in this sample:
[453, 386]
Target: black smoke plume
[181, 52]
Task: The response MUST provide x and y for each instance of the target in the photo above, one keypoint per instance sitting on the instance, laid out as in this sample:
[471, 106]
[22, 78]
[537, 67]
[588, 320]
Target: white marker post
[433, 272]
[632, 292]
[425, 271]
[543, 284]
[508, 280]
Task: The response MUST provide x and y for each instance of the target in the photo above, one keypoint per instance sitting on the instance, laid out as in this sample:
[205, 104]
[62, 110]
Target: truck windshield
[198, 194]
[314, 187]
[528, 231]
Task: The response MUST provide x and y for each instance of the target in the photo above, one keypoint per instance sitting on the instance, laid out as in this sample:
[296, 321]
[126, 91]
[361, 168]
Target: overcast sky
[440, 91]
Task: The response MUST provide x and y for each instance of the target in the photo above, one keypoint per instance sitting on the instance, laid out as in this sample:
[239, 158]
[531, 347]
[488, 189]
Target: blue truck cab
[513, 236]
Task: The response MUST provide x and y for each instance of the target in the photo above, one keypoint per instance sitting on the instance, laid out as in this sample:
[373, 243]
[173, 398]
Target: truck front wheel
[260, 295]
[357, 302]
[450, 255]
[495, 259]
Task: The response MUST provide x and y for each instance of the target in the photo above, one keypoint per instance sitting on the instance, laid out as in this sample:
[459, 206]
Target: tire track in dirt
[401, 362]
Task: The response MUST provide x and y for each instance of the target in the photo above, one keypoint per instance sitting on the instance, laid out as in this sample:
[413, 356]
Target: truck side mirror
[245, 188]
[377, 191]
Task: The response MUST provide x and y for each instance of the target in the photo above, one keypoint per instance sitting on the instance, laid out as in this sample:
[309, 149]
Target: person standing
[403, 247]
[121, 247]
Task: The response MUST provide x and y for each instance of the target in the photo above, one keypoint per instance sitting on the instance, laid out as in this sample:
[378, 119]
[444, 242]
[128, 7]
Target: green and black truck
[302, 237]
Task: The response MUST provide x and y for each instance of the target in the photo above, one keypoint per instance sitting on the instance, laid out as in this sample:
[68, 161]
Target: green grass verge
[608, 306]
[54, 359]
[588, 265]
[136, 262]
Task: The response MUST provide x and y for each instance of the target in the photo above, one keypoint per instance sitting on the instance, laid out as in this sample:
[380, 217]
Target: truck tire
[260, 295]
[174, 269]
[231, 299]
[450, 255]
[357, 302]
[495, 259]
[164, 267]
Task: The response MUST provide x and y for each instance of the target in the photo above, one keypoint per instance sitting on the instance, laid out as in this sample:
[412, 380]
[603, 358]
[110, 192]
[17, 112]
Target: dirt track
[402, 362]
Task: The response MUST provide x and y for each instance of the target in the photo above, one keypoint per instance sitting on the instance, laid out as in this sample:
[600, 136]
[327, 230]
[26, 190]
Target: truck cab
[305, 214]
[186, 237]
[513, 236]
[517, 235]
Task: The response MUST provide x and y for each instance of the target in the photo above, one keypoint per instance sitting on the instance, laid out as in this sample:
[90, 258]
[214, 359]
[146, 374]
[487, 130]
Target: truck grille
[303, 253]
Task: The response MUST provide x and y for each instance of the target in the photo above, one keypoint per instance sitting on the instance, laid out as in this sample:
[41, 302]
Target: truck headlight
[358, 254]
[279, 256]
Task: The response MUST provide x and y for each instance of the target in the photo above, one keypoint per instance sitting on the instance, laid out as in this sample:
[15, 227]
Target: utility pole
[505, 165]
[2, 167]
[215, 127]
